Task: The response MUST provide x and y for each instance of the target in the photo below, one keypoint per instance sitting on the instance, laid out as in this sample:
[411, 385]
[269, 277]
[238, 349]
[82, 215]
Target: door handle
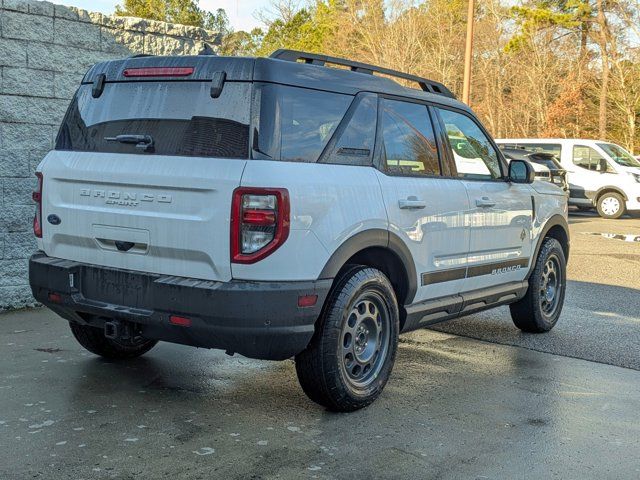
[412, 203]
[485, 202]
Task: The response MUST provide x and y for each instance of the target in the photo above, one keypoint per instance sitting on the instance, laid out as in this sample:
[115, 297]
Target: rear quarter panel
[329, 204]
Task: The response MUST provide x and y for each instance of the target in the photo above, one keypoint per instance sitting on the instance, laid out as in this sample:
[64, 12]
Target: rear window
[295, 124]
[180, 118]
[552, 148]
[547, 160]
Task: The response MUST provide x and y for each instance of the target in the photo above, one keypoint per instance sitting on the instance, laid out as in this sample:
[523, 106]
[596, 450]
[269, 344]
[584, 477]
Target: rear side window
[180, 118]
[294, 123]
[408, 139]
[354, 144]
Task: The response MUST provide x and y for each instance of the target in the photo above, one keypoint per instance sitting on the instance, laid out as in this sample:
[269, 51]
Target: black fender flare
[375, 237]
[554, 221]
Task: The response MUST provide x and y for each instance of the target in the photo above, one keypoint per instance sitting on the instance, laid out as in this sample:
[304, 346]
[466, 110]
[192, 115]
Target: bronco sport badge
[127, 199]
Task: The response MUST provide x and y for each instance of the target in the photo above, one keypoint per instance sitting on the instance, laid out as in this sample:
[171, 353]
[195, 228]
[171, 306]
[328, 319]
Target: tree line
[542, 68]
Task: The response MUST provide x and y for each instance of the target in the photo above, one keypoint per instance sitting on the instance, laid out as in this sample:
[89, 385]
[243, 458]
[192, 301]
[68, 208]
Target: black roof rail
[317, 59]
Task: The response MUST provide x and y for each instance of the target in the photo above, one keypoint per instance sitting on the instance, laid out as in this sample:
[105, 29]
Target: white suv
[600, 174]
[277, 207]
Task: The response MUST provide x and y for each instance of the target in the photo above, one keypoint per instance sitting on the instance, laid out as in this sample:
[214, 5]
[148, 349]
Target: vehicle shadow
[599, 323]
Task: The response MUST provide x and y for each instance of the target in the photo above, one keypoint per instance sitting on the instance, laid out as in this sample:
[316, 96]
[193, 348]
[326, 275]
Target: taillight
[158, 72]
[37, 197]
[179, 321]
[259, 222]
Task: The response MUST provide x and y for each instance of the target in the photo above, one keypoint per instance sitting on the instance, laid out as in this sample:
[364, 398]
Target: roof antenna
[207, 50]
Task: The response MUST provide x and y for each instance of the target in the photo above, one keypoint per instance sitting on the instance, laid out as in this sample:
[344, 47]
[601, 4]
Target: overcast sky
[241, 12]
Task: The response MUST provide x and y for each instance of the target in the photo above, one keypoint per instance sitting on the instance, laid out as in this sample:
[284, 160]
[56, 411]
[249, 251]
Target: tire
[607, 205]
[584, 209]
[345, 366]
[93, 339]
[538, 311]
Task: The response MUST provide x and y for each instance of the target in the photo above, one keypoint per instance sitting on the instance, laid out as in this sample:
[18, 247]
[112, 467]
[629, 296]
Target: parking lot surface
[601, 315]
[474, 399]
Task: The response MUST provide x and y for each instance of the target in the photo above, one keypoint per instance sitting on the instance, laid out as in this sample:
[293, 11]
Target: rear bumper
[256, 319]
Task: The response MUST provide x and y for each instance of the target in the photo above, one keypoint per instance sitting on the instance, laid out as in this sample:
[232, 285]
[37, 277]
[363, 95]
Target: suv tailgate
[175, 213]
[161, 205]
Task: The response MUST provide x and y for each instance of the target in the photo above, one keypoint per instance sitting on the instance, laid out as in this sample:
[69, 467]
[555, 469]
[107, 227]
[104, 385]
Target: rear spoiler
[203, 68]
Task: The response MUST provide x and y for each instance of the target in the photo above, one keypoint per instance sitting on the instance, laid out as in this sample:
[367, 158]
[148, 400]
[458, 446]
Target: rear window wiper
[144, 142]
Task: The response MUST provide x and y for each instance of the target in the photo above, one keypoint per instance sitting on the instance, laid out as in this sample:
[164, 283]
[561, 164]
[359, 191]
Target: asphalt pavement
[455, 407]
[601, 316]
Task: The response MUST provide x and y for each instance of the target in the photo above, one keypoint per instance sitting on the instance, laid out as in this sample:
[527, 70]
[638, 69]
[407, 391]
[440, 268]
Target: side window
[587, 158]
[472, 151]
[355, 143]
[553, 148]
[295, 124]
[408, 139]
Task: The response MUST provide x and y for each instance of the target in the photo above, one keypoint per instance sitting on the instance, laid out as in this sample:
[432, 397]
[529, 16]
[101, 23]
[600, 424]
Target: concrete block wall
[45, 49]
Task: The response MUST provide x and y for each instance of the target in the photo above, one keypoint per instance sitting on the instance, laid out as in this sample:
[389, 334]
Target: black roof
[322, 60]
[283, 71]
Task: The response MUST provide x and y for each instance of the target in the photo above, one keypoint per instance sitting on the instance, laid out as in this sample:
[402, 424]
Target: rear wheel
[351, 355]
[93, 339]
[538, 311]
[611, 205]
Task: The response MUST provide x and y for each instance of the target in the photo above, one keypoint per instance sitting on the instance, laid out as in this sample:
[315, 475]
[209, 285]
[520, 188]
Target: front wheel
[611, 205]
[351, 355]
[538, 311]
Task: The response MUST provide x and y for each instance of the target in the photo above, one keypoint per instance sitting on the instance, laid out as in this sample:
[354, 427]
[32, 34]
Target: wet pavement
[455, 407]
[601, 316]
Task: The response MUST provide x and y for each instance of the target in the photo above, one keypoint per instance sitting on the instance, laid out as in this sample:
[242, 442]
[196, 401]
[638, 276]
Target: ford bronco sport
[278, 207]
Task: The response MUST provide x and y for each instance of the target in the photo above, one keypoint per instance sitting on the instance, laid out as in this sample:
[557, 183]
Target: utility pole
[468, 54]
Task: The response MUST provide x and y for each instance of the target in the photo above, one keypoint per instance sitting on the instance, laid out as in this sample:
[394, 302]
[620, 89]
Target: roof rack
[316, 59]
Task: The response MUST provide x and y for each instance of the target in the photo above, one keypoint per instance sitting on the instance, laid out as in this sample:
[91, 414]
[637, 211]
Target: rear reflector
[179, 321]
[307, 300]
[55, 297]
[37, 198]
[259, 217]
[158, 72]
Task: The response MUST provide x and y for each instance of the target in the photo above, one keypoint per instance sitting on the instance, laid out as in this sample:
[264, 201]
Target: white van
[600, 174]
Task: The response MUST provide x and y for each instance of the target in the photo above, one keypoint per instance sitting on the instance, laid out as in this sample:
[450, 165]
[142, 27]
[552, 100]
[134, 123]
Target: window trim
[379, 154]
[449, 150]
[448, 168]
[343, 125]
[581, 145]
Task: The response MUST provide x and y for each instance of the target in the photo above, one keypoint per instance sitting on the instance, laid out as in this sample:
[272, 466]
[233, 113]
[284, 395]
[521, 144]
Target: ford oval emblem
[54, 219]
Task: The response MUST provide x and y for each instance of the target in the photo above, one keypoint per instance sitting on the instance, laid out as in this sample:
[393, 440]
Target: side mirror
[521, 171]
